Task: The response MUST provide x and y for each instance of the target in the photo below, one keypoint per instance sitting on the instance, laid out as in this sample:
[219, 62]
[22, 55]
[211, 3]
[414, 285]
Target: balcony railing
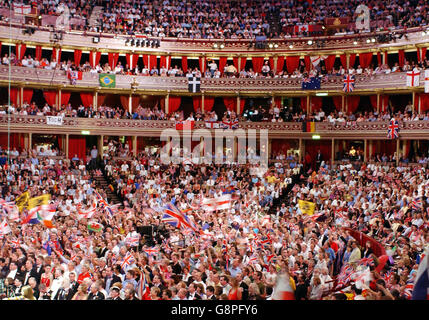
[34, 77]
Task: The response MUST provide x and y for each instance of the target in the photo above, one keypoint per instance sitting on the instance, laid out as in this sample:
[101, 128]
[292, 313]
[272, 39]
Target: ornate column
[67, 146]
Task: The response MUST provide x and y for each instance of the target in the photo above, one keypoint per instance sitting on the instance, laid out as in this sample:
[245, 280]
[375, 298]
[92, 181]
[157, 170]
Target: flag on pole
[306, 207]
[315, 60]
[143, 290]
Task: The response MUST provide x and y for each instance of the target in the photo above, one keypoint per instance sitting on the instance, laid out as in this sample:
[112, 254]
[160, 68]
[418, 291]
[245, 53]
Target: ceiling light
[355, 42]
[291, 46]
[310, 42]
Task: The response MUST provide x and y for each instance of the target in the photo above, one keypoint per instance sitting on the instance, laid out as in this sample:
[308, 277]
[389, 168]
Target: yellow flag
[306, 207]
[39, 201]
[22, 200]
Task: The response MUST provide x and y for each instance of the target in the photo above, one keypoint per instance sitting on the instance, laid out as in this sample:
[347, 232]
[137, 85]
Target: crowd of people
[233, 253]
[256, 19]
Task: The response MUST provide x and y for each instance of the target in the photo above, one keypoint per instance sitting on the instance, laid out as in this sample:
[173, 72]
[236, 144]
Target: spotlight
[270, 45]
[222, 46]
[355, 42]
[423, 33]
[373, 40]
[96, 39]
[291, 46]
[368, 41]
[40, 17]
[215, 46]
[310, 42]
[323, 27]
[276, 45]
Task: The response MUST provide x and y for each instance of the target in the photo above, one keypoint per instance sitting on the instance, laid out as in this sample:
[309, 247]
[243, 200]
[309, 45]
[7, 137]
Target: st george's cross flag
[194, 84]
[349, 83]
[413, 78]
[393, 129]
[4, 227]
[315, 60]
[427, 81]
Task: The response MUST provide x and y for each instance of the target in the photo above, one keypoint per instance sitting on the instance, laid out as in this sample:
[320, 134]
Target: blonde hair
[27, 292]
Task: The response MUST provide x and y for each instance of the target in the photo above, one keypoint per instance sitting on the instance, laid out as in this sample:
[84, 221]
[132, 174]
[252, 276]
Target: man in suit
[32, 282]
[95, 293]
[13, 271]
[210, 293]
[30, 272]
[110, 278]
[114, 294]
[192, 293]
[39, 267]
[319, 159]
[74, 285]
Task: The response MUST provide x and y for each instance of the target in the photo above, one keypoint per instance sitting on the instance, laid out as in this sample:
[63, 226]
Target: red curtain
[421, 54]
[365, 59]
[329, 62]
[337, 102]
[278, 101]
[185, 64]
[316, 104]
[50, 97]
[94, 58]
[27, 95]
[200, 61]
[165, 61]
[343, 59]
[134, 57]
[307, 62]
[424, 102]
[230, 103]
[271, 63]
[312, 147]
[77, 146]
[87, 98]
[77, 56]
[401, 58]
[14, 96]
[56, 54]
[257, 63]
[65, 97]
[280, 63]
[208, 103]
[113, 59]
[352, 59]
[304, 103]
[292, 63]
[242, 62]
[20, 50]
[146, 61]
[384, 100]
[124, 101]
[197, 101]
[38, 55]
[173, 103]
[352, 103]
[153, 61]
[222, 63]
[100, 99]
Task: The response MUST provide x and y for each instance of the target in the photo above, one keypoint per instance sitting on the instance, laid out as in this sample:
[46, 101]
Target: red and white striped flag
[282, 289]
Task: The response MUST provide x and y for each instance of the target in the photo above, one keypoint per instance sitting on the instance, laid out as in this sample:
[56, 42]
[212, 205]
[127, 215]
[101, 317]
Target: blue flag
[311, 83]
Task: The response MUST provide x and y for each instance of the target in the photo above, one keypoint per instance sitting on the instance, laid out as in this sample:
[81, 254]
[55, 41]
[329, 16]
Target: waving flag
[95, 226]
[283, 289]
[349, 83]
[421, 284]
[417, 204]
[315, 60]
[393, 129]
[306, 207]
[87, 213]
[128, 261]
[220, 203]
[132, 240]
[151, 251]
[22, 201]
[232, 124]
[5, 228]
[174, 217]
[143, 290]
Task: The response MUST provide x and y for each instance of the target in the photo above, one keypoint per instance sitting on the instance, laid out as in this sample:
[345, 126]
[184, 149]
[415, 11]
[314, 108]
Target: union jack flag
[409, 287]
[349, 83]
[174, 217]
[166, 246]
[15, 243]
[365, 262]
[151, 251]
[417, 204]
[271, 258]
[143, 289]
[345, 275]
[393, 129]
[253, 259]
[132, 241]
[127, 261]
[233, 124]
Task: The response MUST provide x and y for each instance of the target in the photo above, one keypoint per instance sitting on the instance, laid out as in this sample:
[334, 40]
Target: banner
[54, 121]
[306, 207]
[19, 8]
[22, 200]
[42, 200]
[107, 80]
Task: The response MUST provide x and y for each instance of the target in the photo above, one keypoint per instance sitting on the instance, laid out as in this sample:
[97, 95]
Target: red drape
[292, 63]
[280, 63]
[38, 54]
[153, 61]
[56, 54]
[384, 100]
[401, 58]
[421, 54]
[77, 146]
[173, 103]
[230, 103]
[27, 95]
[16, 140]
[135, 100]
[271, 63]
[165, 61]
[20, 50]
[124, 101]
[304, 103]
[146, 61]
[132, 60]
[100, 99]
[337, 102]
[365, 59]
[87, 98]
[343, 59]
[352, 59]
[50, 97]
[329, 62]
[312, 147]
[200, 61]
[222, 63]
[208, 103]
[352, 103]
[242, 63]
[113, 59]
[14, 96]
[307, 62]
[257, 63]
[197, 101]
[316, 104]
[185, 64]
[77, 56]
[65, 97]
[424, 102]
[94, 58]
[278, 101]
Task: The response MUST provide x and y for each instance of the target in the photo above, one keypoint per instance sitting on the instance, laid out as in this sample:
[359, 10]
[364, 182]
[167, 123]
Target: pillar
[30, 142]
[202, 103]
[370, 149]
[134, 139]
[308, 104]
[378, 102]
[342, 103]
[59, 99]
[397, 151]
[347, 61]
[166, 103]
[239, 63]
[275, 58]
[100, 141]
[238, 105]
[21, 96]
[414, 99]
[130, 103]
[332, 152]
[95, 100]
[301, 149]
[404, 147]
[269, 149]
[67, 146]
[365, 154]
